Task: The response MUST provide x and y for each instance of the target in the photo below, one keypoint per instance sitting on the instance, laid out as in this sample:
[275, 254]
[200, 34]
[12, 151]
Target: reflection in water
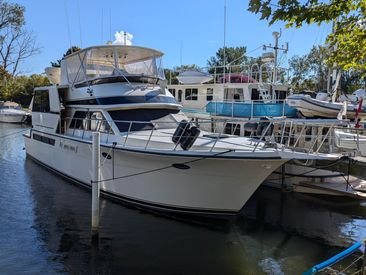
[46, 228]
[309, 216]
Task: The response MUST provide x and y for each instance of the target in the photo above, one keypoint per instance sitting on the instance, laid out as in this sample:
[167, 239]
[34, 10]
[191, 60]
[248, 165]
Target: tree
[230, 57]
[20, 88]
[16, 43]
[11, 15]
[348, 41]
[310, 72]
[69, 51]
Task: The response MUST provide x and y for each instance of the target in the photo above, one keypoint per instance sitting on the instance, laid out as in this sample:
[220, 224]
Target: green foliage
[310, 72]
[348, 41]
[351, 80]
[11, 14]
[20, 89]
[69, 51]
[230, 57]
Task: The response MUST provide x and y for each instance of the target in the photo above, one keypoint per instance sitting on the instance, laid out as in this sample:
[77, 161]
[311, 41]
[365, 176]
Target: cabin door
[180, 94]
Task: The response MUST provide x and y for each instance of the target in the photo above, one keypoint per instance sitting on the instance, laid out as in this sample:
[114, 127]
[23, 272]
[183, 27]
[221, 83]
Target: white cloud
[122, 40]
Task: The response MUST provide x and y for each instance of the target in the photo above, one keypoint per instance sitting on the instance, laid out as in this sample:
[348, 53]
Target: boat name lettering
[44, 139]
[69, 147]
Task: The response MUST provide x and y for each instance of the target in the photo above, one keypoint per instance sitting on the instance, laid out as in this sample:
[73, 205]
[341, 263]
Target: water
[45, 228]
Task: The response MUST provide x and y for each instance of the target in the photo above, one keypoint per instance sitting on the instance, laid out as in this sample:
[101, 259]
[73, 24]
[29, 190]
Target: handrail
[286, 133]
[222, 74]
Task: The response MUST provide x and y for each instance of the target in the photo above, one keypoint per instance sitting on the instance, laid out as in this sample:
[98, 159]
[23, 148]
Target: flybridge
[111, 61]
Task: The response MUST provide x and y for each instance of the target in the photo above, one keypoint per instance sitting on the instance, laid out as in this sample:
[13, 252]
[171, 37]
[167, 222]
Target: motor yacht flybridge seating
[131, 64]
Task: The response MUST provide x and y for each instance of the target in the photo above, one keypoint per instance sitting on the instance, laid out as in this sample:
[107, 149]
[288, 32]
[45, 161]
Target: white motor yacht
[152, 156]
[11, 112]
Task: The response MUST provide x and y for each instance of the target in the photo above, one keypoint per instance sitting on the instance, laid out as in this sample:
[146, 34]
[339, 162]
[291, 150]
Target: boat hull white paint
[350, 141]
[210, 185]
[12, 118]
[310, 107]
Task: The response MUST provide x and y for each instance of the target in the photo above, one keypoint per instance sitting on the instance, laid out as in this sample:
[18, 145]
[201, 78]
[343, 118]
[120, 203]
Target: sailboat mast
[224, 38]
[276, 37]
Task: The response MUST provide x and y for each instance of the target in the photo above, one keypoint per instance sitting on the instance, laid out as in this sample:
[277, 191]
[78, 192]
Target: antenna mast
[181, 50]
[110, 25]
[276, 48]
[224, 39]
[101, 28]
[80, 33]
[68, 25]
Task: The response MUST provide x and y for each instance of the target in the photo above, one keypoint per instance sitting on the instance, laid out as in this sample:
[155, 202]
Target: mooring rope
[161, 168]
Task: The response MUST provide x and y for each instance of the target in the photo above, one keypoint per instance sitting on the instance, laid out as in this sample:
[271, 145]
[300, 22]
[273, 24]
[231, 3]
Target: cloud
[122, 40]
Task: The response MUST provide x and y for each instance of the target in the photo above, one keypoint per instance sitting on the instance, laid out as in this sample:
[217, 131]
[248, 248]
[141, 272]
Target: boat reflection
[335, 223]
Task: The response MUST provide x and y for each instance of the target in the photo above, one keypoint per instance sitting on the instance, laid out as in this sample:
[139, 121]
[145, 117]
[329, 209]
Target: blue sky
[196, 26]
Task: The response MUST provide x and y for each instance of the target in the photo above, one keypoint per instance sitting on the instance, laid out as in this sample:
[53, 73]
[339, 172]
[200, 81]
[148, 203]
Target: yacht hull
[11, 118]
[210, 186]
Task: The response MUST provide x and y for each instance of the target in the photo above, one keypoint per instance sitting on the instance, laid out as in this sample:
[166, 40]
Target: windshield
[113, 61]
[143, 119]
[10, 107]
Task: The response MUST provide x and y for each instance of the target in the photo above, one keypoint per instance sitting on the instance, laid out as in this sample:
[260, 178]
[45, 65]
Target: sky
[188, 32]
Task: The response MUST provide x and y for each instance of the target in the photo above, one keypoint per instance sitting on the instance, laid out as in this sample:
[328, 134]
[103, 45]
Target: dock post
[363, 269]
[95, 185]
[283, 178]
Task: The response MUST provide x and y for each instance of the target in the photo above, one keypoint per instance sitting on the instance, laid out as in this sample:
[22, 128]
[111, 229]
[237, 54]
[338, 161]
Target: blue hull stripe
[241, 109]
[123, 100]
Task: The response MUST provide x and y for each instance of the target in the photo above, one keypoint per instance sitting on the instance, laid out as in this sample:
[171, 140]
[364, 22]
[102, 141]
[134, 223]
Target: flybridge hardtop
[148, 51]
[111, 61]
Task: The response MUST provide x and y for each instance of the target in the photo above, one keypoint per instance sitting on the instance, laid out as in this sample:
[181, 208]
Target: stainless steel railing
[309, 136]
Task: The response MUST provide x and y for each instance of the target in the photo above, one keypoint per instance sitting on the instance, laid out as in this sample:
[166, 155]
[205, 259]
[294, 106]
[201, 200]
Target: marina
[212, 157]
[272, 231]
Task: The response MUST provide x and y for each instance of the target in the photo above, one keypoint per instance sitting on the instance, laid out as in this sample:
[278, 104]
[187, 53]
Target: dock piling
[95, 185]
[363, 269]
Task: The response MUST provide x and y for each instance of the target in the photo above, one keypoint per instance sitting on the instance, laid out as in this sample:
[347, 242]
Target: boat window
[180, 95]
[139, 119]
[308, 133]
[325, 133]
[255, 94]
[209, 95]
[172, 91]
[234, 94]
[98, 123]
[41, 102]
[191, 94]
[44, 139]
[77, 120]
[280, 95]
[90, 121]
[232, 129]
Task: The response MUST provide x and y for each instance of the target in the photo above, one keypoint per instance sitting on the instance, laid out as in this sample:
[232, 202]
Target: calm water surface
[45, 228]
